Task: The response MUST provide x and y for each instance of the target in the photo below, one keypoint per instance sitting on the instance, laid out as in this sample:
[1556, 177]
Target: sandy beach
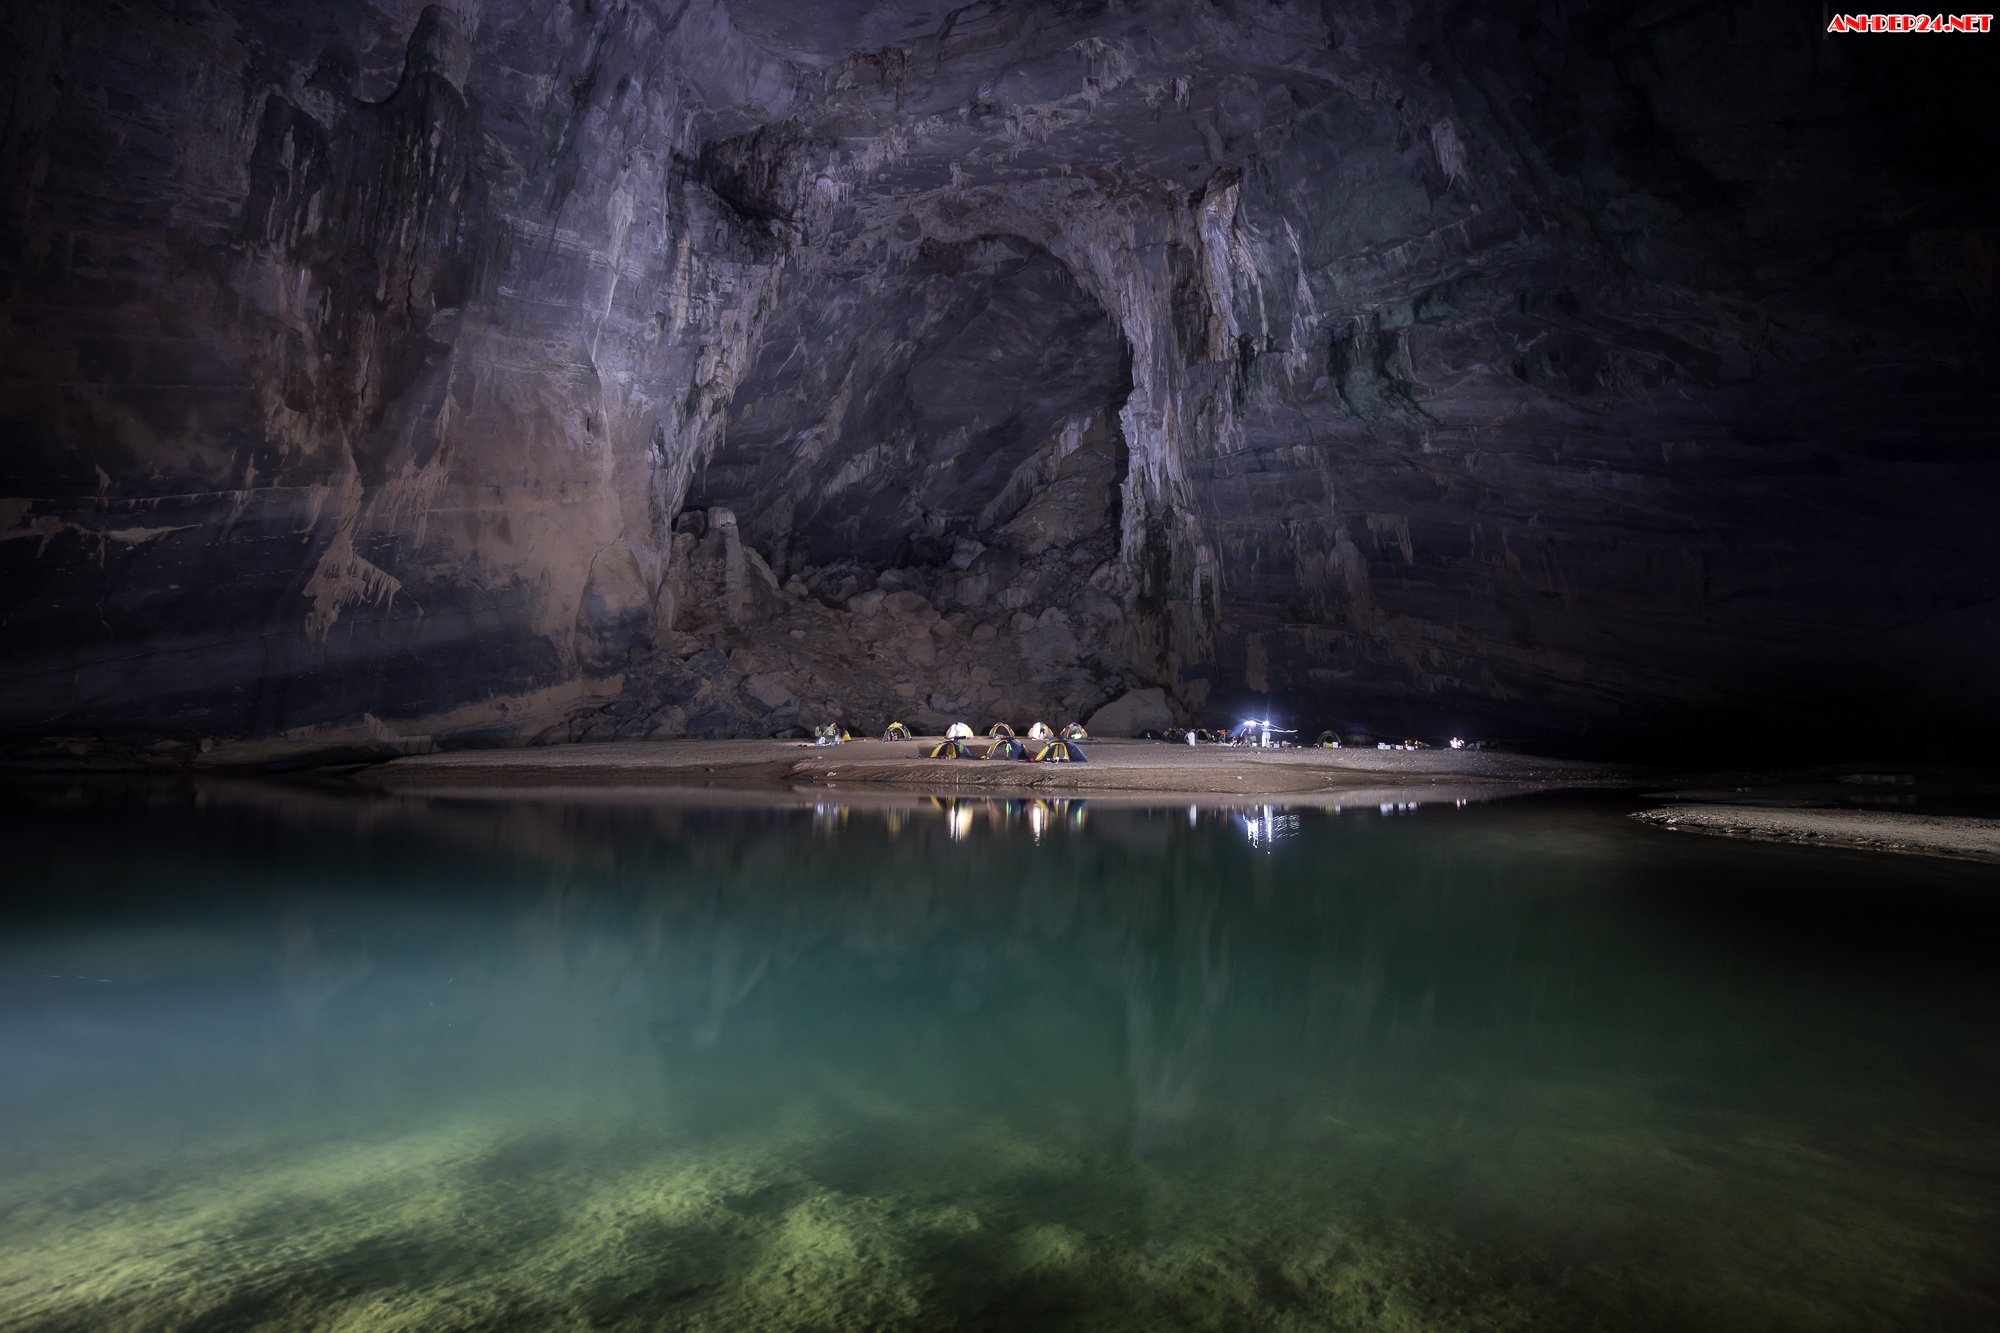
[1113, 766]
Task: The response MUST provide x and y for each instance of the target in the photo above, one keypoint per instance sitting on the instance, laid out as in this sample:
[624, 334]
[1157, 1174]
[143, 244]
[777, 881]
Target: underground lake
[294, 1056]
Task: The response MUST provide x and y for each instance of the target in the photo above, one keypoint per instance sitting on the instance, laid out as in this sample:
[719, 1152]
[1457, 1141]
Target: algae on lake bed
[564, 1066]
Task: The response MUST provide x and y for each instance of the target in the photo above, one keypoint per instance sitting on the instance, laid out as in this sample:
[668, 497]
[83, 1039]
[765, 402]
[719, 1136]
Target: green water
[292, 1058]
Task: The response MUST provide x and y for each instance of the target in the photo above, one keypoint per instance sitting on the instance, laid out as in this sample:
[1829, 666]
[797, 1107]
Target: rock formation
[531, 371]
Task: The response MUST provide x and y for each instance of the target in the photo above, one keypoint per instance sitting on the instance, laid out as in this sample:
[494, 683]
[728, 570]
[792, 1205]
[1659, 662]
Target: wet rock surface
[523, 372]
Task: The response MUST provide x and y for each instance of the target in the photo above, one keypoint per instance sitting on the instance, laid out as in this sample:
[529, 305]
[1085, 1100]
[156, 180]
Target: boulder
[1049, 645]
[905, 605]
[1133, 713]
[769, 689]
[716, 722]
[973, 590]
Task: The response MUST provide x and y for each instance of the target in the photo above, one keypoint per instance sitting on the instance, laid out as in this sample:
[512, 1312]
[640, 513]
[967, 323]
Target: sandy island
[1114, 766]
[1138, 769]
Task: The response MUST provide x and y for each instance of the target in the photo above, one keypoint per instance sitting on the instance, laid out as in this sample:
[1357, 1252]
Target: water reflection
[1262, 823]
[1087, 1063]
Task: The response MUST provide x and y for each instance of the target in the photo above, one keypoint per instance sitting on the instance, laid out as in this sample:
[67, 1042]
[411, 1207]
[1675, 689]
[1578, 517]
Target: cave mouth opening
[953, 414]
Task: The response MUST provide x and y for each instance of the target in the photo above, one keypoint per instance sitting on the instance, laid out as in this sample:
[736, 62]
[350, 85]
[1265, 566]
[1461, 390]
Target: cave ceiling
[523, 370]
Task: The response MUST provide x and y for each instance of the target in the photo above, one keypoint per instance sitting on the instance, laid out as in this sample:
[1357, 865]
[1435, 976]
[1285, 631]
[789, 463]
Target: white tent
[958, 731]
[1040, 731]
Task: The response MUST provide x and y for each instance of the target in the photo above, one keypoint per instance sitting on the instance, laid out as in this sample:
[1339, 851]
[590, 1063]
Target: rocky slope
[530, 370]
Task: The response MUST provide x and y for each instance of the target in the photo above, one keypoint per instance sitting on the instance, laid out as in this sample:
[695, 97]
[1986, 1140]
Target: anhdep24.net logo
[1910, 23]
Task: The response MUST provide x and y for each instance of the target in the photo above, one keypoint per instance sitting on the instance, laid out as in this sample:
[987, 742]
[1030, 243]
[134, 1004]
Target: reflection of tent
[999, 729]
[1007, 748]
[1040, 732]
[895, 731]
[958, 731]
[1061, 752]
[1328, 741]
[951, 749]
[1075, 732]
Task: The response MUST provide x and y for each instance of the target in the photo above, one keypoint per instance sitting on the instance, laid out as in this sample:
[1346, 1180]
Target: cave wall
[522, 371]
[353, 360]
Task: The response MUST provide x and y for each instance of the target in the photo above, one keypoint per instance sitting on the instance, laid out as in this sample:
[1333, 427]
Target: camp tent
[1040, 732]
[895, 731]
[829, 733]
[999, 729]
[1075, 732]
[1328, 741]
[1007, 747]
[951, 749]
[1258, 732]
[958, 731]
[1061, 752]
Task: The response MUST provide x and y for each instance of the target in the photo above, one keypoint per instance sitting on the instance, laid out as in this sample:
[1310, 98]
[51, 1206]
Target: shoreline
[1953, 837]
[1112, 766]
[1817, 805]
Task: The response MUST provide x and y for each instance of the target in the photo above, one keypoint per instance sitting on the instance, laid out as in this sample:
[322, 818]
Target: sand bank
[1114, 766]
[1960, 837]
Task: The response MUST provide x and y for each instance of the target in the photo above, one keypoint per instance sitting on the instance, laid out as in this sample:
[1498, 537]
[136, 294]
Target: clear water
[292, 1058]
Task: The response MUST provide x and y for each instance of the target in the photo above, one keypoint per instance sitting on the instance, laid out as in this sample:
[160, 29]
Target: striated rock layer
[528, 371]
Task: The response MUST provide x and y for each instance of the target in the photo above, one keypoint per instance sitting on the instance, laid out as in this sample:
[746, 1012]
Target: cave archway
[966, 393]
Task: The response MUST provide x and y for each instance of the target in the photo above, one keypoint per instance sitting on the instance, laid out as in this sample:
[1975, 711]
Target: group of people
[958, 734]
[1256, 734]
[1049, 747]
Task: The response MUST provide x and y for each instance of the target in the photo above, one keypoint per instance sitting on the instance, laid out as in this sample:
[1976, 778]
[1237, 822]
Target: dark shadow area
[903, 408]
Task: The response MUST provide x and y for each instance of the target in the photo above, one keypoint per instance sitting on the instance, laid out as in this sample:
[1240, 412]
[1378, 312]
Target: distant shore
[1133, 766]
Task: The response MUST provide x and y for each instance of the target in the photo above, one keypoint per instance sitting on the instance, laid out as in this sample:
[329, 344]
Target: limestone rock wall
[1543, 373]
[354, 362]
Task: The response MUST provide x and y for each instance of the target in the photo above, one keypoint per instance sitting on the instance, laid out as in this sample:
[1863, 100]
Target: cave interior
[1589, 375]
